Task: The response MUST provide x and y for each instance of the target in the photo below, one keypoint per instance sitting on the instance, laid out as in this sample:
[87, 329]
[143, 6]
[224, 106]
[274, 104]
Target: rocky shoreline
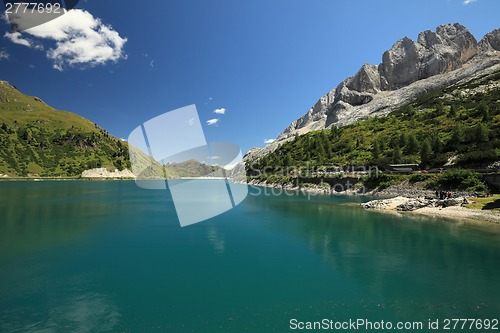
[404, 190]
[312, 189]
[402, 199]
[103, 173]
[404, 204]
[447, 208]
[91, 174]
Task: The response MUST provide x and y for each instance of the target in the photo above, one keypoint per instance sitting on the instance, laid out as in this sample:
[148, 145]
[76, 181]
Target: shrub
[278, 179]
[478, 157]
[419, 177]
[458, 179]
[383, 180]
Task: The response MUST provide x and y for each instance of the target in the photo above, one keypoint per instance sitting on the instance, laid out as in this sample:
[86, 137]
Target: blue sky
[265, 62]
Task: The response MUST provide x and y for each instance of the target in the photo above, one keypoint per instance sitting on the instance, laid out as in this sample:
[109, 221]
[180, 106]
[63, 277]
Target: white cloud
[4, 18]
[268, 141]
[80, 39]
[466, 2]
[220, 111]
[4, 55]
[213, 121]
[15, 37]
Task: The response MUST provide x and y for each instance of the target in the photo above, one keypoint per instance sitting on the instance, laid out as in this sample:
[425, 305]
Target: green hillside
[461, 123]
[192, 168]
[37, 140]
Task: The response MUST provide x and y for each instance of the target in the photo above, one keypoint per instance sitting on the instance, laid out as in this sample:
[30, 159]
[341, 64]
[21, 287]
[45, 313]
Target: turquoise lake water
[83, 256]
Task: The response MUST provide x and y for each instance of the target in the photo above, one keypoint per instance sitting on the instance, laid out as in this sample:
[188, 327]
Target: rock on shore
[410, 204]
[313, 189]
[103, 173]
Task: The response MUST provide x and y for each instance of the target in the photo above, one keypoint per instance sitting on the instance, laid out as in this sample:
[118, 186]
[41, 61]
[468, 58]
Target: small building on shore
[403, 168]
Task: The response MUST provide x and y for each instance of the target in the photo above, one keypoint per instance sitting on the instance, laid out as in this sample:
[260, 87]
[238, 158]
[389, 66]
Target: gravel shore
[448, 208]
[406, 198]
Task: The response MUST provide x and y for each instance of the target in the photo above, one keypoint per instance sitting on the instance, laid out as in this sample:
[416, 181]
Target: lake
[107, 256]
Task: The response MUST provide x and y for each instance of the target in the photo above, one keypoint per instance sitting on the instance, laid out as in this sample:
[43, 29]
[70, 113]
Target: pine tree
[457, 135]
[426, 152]
[382, 144]
[437, 144]
[396, 155]
[409, 110]
[311, 142]
[481, 133]
[321, 152]
[334, 132]
[288, 160]
[376, 150]
[484, 111]
[349, 146]
[328, 147]
[403, 140]
[394, 142]
[453, 111]
[439, 109]
[412, 143]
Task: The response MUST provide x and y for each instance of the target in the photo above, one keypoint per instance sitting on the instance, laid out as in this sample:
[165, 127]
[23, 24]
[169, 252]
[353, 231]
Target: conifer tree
[426, 152]
[396, 155]
[412, 143]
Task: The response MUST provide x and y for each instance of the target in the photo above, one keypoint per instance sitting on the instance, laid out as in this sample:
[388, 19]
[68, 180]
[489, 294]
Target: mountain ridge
[409, 70]
[40, 141]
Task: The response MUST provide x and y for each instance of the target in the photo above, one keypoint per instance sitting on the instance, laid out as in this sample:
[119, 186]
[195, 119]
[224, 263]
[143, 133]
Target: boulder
[413, 204]
[450, 202]
[376, 204]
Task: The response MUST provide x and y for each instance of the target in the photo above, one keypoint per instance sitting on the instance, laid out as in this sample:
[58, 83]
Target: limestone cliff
[409, 69]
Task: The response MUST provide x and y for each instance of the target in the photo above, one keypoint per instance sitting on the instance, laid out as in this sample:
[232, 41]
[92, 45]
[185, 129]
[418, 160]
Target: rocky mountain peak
[433, 53]
[490, 42]
[408, 70]
[429, 38]
[400, 64]
[408, 61]
[366, 79]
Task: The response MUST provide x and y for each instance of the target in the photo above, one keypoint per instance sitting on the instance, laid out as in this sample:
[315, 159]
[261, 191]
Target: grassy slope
[192, 168]
[39, 140]
[489, 203]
